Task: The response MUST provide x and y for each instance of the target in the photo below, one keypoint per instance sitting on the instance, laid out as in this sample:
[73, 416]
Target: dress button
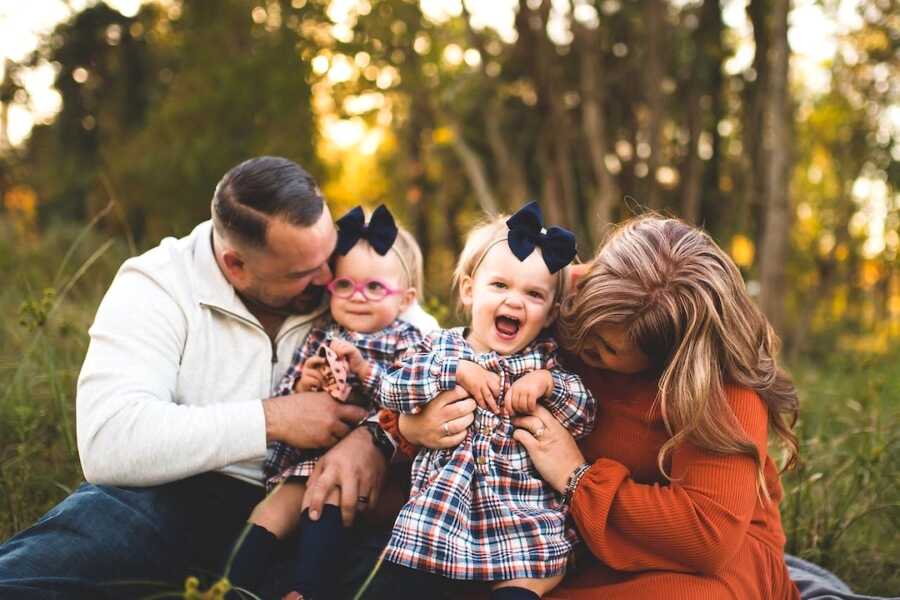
[481, 460]
[435, 370]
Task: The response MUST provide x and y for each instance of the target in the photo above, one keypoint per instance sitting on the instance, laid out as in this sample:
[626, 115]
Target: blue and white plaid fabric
[381, 348]
[480, 511]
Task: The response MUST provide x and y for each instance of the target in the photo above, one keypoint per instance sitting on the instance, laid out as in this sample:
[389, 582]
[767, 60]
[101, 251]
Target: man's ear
[465, 291]
[235, 267]
[409, 296]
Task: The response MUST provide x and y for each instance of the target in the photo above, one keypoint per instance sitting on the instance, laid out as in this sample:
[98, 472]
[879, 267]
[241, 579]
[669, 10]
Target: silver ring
[446, 429]
[362, 499]
[539, 432]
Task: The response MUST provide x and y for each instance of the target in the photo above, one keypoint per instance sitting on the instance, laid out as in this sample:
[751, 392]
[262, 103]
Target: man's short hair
[262, 188]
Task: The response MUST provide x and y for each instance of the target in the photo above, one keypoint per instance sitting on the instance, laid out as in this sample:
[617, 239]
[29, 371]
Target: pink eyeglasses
[373, 290]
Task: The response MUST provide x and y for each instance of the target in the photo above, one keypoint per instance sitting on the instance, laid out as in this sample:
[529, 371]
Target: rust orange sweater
[704, 535]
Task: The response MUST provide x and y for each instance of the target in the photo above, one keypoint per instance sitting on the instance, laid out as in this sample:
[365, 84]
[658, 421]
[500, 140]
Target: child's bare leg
[524, 588]
[279, 512]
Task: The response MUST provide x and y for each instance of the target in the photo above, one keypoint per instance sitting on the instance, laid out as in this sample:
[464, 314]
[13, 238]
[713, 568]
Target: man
[173, 406]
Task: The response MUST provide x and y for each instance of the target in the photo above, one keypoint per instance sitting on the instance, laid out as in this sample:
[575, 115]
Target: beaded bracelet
[574, 480]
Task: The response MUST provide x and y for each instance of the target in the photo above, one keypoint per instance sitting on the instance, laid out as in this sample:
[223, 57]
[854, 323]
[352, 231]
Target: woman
[673, 493]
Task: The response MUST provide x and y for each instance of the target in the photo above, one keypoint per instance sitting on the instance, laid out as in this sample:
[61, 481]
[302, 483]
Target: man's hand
[482, 385]
[309, 419]
[355, 469]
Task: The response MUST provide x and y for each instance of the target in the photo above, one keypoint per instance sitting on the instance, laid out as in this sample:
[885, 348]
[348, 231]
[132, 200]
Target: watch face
[381, 439]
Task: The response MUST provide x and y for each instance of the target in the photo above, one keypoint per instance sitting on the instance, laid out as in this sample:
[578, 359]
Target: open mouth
[507, 327]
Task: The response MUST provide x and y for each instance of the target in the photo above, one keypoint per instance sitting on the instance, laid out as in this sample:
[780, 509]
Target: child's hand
[311, 379]
[353, 356]
[525, 391]
[482, 385]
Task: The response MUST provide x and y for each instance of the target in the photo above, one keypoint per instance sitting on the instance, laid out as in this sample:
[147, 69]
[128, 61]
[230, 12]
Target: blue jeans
[116, 542]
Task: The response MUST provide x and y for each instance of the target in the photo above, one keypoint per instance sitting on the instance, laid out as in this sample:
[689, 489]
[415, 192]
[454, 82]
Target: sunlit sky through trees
[814, 35]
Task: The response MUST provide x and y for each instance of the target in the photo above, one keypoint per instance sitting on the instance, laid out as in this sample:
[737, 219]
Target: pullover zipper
[273, 344]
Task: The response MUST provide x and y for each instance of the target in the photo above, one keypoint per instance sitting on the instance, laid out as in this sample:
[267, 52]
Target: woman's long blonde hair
[683, 304]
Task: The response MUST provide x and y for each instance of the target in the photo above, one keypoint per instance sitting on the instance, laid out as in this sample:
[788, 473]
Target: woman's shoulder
[745, 401]
[751, 412]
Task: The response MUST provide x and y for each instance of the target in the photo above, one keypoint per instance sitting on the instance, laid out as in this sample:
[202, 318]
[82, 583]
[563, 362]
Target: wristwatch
[380, 439]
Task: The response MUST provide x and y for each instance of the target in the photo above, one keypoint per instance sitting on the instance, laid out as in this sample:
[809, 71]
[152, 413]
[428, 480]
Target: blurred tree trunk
[474, 169]
[755, 103]
[655, 24]
[705, 109]
[418, 188]
[4, 126]
[7, 93]
[509, 171]
[555, 139]
[777, 148]
[605, 191]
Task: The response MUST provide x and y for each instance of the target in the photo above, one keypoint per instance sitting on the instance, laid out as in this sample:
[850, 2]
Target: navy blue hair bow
[526, 230]
[380, 232]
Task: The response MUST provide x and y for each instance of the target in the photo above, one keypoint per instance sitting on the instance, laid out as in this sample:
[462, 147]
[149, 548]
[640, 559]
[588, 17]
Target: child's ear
[465, 291]
[409, 296]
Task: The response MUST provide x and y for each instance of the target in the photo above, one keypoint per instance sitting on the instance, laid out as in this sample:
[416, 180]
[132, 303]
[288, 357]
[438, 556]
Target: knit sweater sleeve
[695, 524]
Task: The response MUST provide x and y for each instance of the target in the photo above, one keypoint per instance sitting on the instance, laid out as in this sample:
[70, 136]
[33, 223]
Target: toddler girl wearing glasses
[378, 272]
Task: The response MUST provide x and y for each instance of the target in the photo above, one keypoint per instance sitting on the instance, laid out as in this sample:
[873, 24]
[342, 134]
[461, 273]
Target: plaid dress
[381, 348]
[481, 511]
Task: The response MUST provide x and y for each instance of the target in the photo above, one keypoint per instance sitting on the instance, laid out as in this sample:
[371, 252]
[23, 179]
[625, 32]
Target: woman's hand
[552, 449]
[442, 422]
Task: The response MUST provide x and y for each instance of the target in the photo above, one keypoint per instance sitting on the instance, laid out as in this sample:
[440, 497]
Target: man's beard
[308, 301]
[303, 303]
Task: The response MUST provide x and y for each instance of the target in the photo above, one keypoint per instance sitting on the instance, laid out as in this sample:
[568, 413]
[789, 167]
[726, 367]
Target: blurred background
[774, 124]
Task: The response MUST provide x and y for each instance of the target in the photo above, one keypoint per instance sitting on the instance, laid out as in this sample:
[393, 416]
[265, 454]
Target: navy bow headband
[380, 232]
[526, 230]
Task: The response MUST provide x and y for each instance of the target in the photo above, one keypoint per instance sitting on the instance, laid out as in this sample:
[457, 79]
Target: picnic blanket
[816, 583]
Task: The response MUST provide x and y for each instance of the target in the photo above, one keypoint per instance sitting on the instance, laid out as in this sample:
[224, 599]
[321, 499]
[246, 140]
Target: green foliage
[34, 311]
[842, 505]
[171, 102]
[40, 356]
[236, 91]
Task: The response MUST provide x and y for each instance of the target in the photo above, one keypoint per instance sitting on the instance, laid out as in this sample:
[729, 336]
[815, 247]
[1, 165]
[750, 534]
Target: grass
[841, 507]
